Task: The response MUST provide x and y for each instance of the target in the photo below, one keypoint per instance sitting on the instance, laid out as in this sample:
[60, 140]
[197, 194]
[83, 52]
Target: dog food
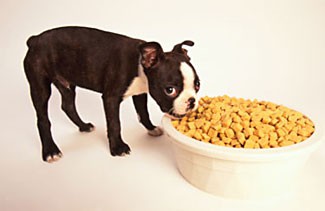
[236, 122]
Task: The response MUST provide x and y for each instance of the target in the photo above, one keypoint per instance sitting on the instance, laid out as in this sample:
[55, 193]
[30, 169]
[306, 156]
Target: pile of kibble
[240, 123]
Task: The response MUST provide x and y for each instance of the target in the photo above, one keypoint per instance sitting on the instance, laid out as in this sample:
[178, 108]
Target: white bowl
[237, 172]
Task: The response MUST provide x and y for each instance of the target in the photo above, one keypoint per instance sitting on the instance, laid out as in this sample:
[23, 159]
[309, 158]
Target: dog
[117, 66]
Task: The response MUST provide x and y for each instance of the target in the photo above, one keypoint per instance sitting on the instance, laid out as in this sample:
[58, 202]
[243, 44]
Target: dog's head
[173, 82]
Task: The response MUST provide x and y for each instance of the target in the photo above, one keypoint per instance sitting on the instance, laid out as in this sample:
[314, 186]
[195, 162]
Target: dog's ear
[180, 50]
[151, 54]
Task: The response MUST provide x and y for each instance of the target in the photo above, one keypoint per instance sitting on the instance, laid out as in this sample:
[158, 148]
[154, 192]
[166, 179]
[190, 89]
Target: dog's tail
[31, 41]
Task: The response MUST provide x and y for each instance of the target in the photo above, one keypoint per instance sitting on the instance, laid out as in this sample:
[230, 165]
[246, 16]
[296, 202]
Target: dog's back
[79, 55]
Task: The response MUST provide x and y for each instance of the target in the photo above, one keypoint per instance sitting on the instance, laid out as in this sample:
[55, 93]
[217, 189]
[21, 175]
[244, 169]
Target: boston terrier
[114, 65]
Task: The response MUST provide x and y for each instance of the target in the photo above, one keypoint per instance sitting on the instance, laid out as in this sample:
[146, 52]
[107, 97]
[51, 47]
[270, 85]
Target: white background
[269, 50]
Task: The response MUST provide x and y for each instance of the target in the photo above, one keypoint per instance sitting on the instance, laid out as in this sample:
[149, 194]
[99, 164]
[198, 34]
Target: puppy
[114, 65]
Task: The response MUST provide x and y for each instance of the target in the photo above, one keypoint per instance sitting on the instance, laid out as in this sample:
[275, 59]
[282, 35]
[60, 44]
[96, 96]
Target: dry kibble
[197, 135]
[241, 138]
[191, 126]
[239, 123]
[230, 133]
[249, 144]
[286, 143]
[212, 132]
[263, 142]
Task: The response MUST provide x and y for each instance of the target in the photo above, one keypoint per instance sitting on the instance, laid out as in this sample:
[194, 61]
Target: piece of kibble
[239, 123]
[249, 144]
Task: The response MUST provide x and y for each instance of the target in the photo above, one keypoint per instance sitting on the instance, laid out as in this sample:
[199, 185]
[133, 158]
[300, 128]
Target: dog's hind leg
[68, 106]
[40, 89]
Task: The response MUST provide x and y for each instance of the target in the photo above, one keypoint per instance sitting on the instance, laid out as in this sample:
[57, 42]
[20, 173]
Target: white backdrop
[269, 50]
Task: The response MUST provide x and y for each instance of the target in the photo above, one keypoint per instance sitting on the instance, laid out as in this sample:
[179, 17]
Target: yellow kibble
[249, 144]
[245, 123]
[273, 136]
[200, 109]
[303, 132]
[236, 119]
[191, 125]
[229, 133]
[190, 133]
[184, 119]
[254, 124]
[234, 142]
[181, 128]
[293, 117]
[274, 121]
[208, 116]
[259, 132]
[256, 119]
[309, 122]
[246, 117]
[237, 127]
[219, 143]
[191, 119]
[205, 137]
[206, 127]
[212, 133]
[241, 137]
[281, 132]
[266, 119]
[235, 122]
[263, 142]
[199, 123]
[216, 116]
[286, 143]
[226, 122]
[310, 129]
[298, 139]
[290, 125]
[222, 130]
[248, 132]
[175, 123]
[257, 146]
[226, 140]
[197, 135]
[215, 139]
[271, 106]
[254, 138]
[292, 136]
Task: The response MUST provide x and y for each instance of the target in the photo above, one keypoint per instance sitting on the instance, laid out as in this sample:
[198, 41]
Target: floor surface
[258, 49]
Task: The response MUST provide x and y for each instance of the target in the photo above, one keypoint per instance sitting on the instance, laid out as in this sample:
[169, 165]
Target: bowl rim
[242, 154]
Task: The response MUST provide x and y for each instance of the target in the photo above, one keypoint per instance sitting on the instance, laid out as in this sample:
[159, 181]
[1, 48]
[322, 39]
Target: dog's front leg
[112, 111]
[140, 103]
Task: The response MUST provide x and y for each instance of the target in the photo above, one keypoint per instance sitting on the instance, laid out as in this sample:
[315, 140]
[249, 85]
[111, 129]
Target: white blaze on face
[181, 102]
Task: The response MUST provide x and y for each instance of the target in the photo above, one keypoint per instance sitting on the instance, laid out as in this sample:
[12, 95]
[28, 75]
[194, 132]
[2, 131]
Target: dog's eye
[171, 91]
[197, 86]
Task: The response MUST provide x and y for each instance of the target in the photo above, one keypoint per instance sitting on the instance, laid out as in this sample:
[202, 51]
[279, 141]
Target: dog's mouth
[173, 115]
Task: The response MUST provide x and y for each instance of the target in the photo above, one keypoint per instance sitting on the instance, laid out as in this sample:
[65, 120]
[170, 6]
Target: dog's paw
[120, 149]
[87, 127]
[156, 132]
[52, 154]
[53, 158]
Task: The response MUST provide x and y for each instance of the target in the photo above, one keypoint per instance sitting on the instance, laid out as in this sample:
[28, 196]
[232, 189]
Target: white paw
[155, 132]
[53, 158]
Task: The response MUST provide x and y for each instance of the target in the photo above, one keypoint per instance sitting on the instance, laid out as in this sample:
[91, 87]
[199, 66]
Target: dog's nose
[191, 103]
[191, 100]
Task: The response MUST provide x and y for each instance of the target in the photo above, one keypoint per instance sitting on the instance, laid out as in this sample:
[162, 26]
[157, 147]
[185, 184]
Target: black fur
[100, 61]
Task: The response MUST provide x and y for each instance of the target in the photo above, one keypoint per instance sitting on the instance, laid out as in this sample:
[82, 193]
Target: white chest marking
[139, 84]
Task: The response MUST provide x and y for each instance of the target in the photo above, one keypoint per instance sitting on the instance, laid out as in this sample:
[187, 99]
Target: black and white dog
[116, 66]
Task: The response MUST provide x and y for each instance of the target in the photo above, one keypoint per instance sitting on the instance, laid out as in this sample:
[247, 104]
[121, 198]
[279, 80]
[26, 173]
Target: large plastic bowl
[237, 172]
